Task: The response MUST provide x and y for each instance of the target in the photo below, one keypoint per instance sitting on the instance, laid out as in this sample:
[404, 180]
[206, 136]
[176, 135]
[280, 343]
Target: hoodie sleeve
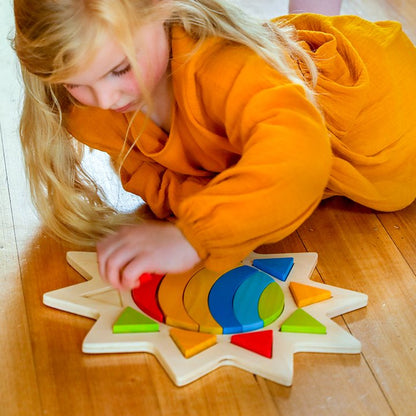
[284, 165]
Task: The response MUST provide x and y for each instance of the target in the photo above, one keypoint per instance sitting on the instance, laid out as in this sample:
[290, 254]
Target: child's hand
[151, 247]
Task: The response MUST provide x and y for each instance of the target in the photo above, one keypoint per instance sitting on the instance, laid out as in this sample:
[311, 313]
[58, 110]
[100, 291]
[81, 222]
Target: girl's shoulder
[186, 50]
[215, 59]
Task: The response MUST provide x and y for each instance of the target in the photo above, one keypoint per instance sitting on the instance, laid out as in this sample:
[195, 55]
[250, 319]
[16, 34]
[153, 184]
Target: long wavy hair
[54, 39]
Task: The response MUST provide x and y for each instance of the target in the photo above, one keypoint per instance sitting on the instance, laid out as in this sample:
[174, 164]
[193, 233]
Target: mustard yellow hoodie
[248, 157]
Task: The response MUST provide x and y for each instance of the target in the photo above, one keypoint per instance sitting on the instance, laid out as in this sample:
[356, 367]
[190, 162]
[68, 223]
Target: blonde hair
[55, 38]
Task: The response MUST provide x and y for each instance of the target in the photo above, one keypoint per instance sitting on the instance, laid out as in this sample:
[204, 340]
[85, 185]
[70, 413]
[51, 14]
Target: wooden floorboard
[18, 387]
[360, 255]
[44, 372]
[401, 228]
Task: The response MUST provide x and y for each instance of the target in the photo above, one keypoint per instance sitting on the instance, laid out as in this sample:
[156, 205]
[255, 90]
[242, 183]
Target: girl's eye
[122, 71]
[70, 86]
[116, 73]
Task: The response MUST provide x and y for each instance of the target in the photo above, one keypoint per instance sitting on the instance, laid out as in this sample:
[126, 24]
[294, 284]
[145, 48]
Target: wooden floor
[44, 372]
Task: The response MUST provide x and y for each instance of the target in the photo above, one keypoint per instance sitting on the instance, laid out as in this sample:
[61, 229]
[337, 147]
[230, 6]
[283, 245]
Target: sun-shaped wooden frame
[96, 299]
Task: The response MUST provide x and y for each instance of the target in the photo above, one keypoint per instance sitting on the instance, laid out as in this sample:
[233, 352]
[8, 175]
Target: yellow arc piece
[195, 299]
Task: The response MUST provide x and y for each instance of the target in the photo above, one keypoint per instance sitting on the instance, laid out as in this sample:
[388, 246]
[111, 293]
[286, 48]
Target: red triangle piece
[258, 342]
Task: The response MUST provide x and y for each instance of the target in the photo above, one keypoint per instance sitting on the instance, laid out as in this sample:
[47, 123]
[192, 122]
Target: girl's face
[108, 81]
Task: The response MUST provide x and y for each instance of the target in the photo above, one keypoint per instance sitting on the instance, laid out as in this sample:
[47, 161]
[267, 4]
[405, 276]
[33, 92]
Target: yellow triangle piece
[306, 295]
[191, 343]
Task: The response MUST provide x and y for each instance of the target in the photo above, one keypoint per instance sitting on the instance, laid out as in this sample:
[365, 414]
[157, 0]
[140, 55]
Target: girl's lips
[124, 109]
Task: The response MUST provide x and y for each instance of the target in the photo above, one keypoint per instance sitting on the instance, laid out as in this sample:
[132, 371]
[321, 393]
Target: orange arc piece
[305, 295]
[170, 297]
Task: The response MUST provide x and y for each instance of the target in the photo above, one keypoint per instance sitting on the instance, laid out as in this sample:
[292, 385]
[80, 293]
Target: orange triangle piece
[306, 295]
[258, 342]
[191, 343]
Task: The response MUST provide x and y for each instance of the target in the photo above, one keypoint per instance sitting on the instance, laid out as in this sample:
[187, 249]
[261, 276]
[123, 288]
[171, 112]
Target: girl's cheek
[131, 85]
[82, 96]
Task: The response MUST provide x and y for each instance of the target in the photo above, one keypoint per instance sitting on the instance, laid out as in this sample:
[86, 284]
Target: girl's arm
[328, 7]
[284, 165]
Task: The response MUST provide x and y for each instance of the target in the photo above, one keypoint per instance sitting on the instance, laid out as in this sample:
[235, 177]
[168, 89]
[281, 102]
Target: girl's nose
[106, 98]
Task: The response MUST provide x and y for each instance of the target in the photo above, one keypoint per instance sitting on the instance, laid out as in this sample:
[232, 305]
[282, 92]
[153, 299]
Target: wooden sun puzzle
[255, 316]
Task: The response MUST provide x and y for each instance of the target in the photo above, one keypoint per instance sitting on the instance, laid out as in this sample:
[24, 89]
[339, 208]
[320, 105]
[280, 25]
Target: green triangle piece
[300, 321]
[131, 321]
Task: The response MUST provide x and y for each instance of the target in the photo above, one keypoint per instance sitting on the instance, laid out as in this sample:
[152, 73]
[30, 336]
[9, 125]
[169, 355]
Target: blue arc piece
[278, 267]
[246, 301]
[221, 295]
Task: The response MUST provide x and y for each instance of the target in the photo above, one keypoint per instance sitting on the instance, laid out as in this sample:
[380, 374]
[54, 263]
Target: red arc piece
[145, 295]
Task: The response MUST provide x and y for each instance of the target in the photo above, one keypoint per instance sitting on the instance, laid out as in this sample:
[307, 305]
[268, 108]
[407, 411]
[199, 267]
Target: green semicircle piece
[271, 303]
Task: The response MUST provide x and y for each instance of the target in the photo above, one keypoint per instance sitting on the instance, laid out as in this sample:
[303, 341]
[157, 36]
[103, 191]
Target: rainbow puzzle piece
[254, 316]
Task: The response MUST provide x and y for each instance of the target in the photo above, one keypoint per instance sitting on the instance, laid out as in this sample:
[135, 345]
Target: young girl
[231, 129]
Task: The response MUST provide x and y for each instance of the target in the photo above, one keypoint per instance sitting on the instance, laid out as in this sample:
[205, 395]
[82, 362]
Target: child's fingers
[130, 275]
[105, 248]
[113, 262]
[112, 253]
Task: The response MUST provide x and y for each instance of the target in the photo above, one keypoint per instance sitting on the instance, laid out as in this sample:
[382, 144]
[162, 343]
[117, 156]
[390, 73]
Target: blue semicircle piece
[221, 295]
[246, 301]
[278, 267]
